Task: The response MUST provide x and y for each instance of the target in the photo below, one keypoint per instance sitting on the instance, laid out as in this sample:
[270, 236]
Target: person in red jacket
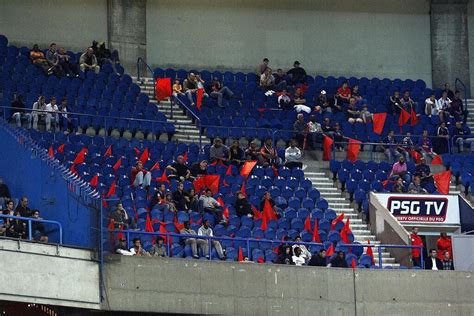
[416, 252]
[444, 244]
[140, 176]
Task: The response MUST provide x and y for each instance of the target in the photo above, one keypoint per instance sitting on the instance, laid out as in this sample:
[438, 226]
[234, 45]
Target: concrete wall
[338, 37]
[202, 287]
[70, 23]
[46, 274]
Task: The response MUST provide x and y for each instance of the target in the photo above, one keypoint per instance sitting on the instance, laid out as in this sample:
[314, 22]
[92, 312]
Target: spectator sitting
[191, 85]
[415, 187]
[17, 228]
[297, 74]
[267, 80]
[343, 94]
[442, 106]
[459, 132]
[318, 260]
[177, 89]
[18, 108]
[51, 117]
[407, 103]
[119, 217]
[38, 59]
[353, 115]
[242, 205]
[297, 258]
[199, 169]
[122, 249]
[399, 170]
[219, 153]
[338, 137]
[269, 154]
[315, 132]
[193, 203]
[425, 145]
[209, 205]
[443, 244]
[64, 122]
[285, 257]
[327, 128]
[406, 146]
[395, 103]
[456, 108]
[53, 60]
[37, 228]
[293, 156]
[305, 253]
[158, 200]
[398, 187]
[206, 230]
[268, 197]
[237, 155]
[284, 101]
[104, 56]
[300, 102]
[253, 153]
[263, 66]
[441, 143]
[301, 129]
[280, 82]
[140, 176]
[181, 198]
[355, 93]
[159, 249]
[390, 147]
[64, 62]
[430, 105]
[365, 114]
[322, 103]
[423, 171]
[170, 203]
[88, 61]
[23, 208]
[219, 92]
[179, 170]
[433, 262]
[137, 249]
[9, 210]
[448, 90]
[339, 261]
[5, 195]
[192, 241]
[447, 261]
[35, 116]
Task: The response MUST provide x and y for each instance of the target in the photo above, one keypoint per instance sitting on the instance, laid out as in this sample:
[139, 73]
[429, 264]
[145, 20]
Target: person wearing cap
[416, 252]
[122, 249]
[297, 74]
[323, 103]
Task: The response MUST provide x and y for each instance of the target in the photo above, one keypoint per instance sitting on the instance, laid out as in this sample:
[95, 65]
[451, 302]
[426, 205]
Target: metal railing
[139, 59]
[459, 81]
[31, 219]
[193, 115]
[248, 241]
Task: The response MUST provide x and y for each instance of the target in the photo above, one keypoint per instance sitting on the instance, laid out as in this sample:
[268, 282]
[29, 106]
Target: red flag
[155, 166]
[242, 189]
[385, 183]
[229, 171]
[256, 213]
[338, 219]
[207, 181]
[275, 171]
[108, 152]
[404, 117]
[416, 155]
[328, 141]
[268, 211]
[137, 151]
[307, 224]
[353, 263]
[164, 178]
[330, 251]
[437, 160]
[185, 156]
[442, 181]
[240, 256]
[61, 149]
[316, 232]
[378, 120]
[199, 95]
[80, 156]
[177, 224]
[111, 225]
[163, 231]
[145, 155]
[163, 88]
[264, 225]
[94, 181]
[247, 168]
[353, 149]
[51, 152]
[413, 117]
[219, 200]
[225, 213]
[346, 230]
[148, 224]
[369, 252]
[111, 190]
[117, 164]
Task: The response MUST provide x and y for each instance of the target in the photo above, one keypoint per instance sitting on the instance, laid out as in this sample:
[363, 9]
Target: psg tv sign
[422, 209]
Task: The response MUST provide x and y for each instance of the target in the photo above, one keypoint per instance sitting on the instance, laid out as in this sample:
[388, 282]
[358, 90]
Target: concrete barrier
[210, 287]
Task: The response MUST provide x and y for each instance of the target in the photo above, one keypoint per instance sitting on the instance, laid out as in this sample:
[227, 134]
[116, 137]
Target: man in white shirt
[298, 260]
[315, 132]
[305, 253]
[52, 115]
[35, 116]
[122, 248]
[209, 204]
[206, 230]
[430, 105]
[293, 156]
[442, 106]
[284, 101]
[433, 263]
[267, 81]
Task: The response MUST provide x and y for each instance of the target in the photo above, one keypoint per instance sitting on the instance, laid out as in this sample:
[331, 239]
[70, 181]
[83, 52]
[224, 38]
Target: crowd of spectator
[437, 259]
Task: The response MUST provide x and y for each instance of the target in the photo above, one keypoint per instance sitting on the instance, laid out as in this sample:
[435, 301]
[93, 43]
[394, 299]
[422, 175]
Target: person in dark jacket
[23, 208]
[433, 262]
[319, 260]
[285, 257]
[17, 227]
[38, 230]
[180, 198]
[242, 205]
[237, 155]
[339, 261]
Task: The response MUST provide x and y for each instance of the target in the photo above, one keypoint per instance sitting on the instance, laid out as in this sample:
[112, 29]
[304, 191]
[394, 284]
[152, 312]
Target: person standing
[444, 244]
[416, 252]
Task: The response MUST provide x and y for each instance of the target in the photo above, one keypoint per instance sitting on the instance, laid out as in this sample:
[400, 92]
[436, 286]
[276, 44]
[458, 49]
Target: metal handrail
[249, 240]
[139, 59]
[464, 89]
[194, 115]
[31, 219]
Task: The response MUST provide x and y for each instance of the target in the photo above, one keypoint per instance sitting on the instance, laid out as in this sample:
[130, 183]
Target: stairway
[340, 203]
[186, 130]
[470, 118]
